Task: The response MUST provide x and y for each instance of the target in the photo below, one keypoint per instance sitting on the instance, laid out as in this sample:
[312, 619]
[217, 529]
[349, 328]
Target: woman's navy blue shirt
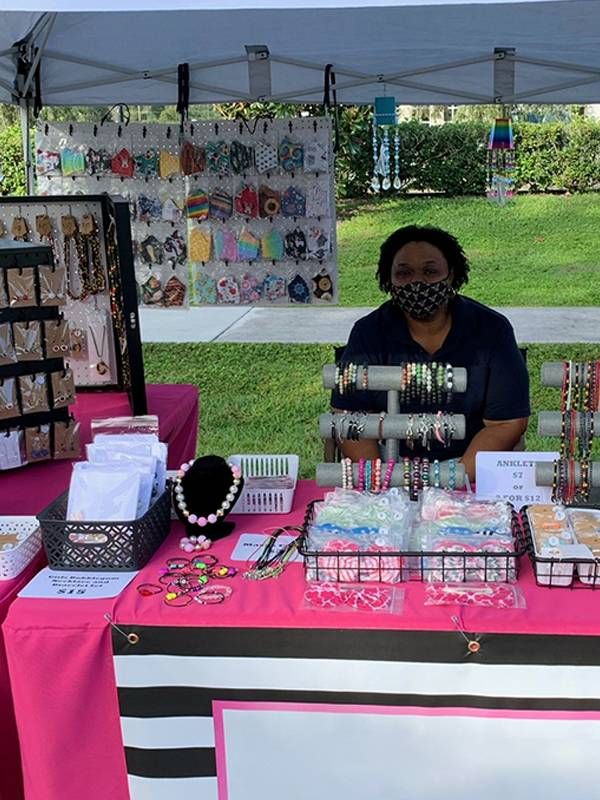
[480, 339]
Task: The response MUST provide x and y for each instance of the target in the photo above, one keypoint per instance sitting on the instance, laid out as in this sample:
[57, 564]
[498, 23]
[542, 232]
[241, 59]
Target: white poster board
[511, 476]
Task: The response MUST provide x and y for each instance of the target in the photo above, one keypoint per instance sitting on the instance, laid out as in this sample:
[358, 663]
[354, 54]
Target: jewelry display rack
[551, 423]
[17, 256]
[390, 426]
[91, 237]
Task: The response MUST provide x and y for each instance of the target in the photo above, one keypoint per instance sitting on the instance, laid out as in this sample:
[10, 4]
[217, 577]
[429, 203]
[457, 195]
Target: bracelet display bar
[544, 473]
[332, 475]
[391, 426]
[553, 372]
[550, 422]
[385, 379]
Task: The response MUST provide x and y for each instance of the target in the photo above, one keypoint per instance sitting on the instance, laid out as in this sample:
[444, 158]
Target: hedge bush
[450, 158]
[12, 172]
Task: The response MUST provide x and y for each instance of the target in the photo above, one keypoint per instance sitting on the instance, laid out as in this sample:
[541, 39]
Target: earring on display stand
[375, 186]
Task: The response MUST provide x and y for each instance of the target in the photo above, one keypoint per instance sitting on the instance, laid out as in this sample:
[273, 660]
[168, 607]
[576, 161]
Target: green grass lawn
[266, 398]
[536, 251]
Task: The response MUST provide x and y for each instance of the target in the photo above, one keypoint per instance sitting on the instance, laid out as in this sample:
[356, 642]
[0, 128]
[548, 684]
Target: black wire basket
[561, 573]
[103, 546]
[387, 566]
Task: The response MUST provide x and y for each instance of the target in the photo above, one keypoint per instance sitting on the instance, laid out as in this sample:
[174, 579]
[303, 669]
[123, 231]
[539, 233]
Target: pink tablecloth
[29, 490]
[60, 654]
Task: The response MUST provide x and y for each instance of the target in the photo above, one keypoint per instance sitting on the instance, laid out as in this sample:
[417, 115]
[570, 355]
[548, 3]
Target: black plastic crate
[103, 546]
[562, 573]
[412, 565]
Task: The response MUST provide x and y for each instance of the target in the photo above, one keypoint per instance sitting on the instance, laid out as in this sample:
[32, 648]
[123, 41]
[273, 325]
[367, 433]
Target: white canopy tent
[433, 51]
[101, 52]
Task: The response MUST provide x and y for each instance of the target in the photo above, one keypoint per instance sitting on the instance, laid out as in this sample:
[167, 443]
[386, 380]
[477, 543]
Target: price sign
[511, 476]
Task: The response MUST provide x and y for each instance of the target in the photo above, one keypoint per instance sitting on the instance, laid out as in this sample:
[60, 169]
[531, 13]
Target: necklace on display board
[101, 366]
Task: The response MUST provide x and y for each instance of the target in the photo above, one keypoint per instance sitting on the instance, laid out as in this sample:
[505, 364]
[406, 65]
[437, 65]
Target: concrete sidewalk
[313, 324]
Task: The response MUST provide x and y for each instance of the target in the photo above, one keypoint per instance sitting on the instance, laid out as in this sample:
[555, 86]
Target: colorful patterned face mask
[146, 164]
[317, 201]
[98, 162]
[217, 157]
[246, 202]
[152, 293]
[123, 164]
[175, 291]
[228, 291]
[241, 157]
[171, 212]
[269, 202]
[200, 245]
[271, 246]
[295, 245]
[196, 205]
[251, 289]
[220, 205]
[317, 244]
[148, 209]
[225, 245]
[248, 246]
[175, 248]
[46, 161]
[291, 155]
[168, 164]
[298, 290]
[315, 157]
[151, 251]
[265, 157]
[293, 203]
[205, 289]
[274, 287]
[322, 286]
[193, 159]
[72, 162]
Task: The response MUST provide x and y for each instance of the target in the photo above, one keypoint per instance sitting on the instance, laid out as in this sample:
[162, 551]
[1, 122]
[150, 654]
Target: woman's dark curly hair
[448, 244]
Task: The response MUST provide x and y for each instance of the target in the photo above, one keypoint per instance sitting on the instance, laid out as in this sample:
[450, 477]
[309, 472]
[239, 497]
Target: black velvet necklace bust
[208, 492]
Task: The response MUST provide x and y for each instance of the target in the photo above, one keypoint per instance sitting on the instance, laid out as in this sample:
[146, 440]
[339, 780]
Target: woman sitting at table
[426, 320]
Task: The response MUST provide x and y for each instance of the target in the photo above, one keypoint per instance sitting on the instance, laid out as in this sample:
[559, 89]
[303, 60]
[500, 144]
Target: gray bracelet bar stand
[550, 423]
[393, 425]
[553, 371]
[331, 474]
[387, 379]
[384, 379]
[544, 474]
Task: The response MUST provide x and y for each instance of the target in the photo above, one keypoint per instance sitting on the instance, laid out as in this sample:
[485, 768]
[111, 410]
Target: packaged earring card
[222, 200]
[89, 283]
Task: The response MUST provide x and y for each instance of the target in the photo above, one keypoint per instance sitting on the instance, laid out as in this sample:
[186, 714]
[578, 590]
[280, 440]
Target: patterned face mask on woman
[421, 300]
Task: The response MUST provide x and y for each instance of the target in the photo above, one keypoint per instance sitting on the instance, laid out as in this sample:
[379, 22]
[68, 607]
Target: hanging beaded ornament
[500, 162]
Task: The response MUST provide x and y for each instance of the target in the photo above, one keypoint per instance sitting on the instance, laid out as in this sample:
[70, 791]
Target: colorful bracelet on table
[387, 478]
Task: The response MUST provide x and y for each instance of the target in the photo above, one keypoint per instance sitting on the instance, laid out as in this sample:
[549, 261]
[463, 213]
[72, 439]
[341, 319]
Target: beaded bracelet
[368, 473]
[387, 479]
[452, 474]
[347, 478]
[361, 474]
[376, 486]
[436, 474]
[406, 473]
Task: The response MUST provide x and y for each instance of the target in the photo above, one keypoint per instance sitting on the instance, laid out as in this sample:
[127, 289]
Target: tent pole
[26, 139]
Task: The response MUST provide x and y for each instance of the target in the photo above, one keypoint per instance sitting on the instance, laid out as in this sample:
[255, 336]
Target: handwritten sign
[511, 476]
[51, 584]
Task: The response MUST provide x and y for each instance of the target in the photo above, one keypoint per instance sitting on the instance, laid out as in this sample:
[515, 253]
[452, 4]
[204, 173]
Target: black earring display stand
[113, 215]
[13, 256]
[205, 486]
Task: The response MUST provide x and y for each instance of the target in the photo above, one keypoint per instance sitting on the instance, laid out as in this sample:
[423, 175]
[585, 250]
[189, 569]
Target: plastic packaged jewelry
[21, 287]
[8, 398]
[12, 447]
[7, 347]
[63, 388]
[37, 443]
[67, 442]
[34, 393]
[53, 285]
[482, 595]
[28, 340]
[353, 597]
